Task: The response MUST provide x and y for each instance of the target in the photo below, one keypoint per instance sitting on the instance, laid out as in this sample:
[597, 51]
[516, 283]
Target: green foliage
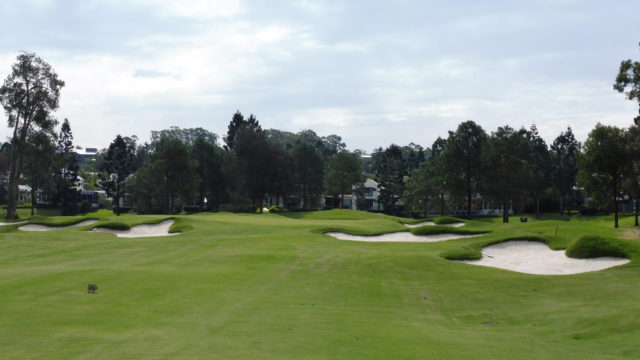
[603, 163]
[118, 164]
[29, 96]
[343, 172]
[390, 169]
[592, 246]
[85, 207]
[438, 229]
[463, 165]
[309, 173]
[564, 167]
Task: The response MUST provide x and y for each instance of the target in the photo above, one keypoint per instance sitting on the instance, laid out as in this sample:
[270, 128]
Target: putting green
[272, 286]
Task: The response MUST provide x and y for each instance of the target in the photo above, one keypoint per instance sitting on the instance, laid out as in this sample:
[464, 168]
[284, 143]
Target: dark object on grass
[92, 288]
[524, 219]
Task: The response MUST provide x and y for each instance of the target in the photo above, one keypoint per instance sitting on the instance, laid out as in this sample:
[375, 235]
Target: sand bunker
[533, 257]
[37, 227]
[431, 223]
[404, 236]
[12, 223]
[144, 230]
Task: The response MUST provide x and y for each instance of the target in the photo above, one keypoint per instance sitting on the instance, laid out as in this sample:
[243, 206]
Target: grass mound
[59, 220]
[438, 229]
[592, 246]
[474, 251]
[444, 220]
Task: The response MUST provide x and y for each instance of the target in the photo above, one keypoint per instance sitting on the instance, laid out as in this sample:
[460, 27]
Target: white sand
[144, 230]
[404, 236]
[431, 223]
[12, 223]
[533, 257]
[36, 227]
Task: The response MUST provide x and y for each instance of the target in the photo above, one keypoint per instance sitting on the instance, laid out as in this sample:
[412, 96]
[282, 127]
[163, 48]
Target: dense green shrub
[444, 220]
[437, 229]
[592, 246]
[276, 209]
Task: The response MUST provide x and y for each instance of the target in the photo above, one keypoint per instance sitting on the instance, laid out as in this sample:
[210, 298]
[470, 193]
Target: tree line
[507, 169]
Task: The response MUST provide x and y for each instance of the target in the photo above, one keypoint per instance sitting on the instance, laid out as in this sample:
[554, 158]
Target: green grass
[444, 220]
[271, 286]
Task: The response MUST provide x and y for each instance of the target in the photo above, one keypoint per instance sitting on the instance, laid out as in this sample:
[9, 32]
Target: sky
[373, 72]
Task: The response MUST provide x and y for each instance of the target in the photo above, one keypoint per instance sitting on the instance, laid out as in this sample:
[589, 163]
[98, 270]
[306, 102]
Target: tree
[118, 164]
[462, 163]
[207, 158]
[38, 159]
[505, 157]
[237, 122]
[602, 163]
[390, 168]
[187, 136]
[540, 162]
[631, 180]
[145, 187]
[309, 172]
[66, 177]
[343, 172]
[28, 95]
[629, 78]
[172, 164]
[262, 166]
[564, 165]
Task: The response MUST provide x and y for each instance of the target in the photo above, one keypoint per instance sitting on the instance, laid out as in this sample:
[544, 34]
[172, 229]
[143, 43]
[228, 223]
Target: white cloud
[194, 9]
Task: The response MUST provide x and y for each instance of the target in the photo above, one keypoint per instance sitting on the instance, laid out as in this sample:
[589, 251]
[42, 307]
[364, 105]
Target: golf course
[274, 286]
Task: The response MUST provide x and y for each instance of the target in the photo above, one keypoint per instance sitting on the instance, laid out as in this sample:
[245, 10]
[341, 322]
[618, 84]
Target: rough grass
[244, 286]
[591, 246]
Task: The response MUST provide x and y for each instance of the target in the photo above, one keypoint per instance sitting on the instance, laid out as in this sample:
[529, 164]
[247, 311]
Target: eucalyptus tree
[38, 163]
[628, 82]
[603, 162]
[29, 96]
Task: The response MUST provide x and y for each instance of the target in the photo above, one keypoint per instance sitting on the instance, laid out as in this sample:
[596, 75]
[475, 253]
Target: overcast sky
[373, 72]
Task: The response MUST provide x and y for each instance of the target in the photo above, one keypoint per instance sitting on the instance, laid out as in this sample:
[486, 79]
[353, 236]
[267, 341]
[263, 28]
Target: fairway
[273, 286]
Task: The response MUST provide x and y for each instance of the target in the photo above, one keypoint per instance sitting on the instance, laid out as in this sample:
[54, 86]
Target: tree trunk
[635, 211]
[537, 207]
[12, 189]
[33, 201]
[441, 204]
